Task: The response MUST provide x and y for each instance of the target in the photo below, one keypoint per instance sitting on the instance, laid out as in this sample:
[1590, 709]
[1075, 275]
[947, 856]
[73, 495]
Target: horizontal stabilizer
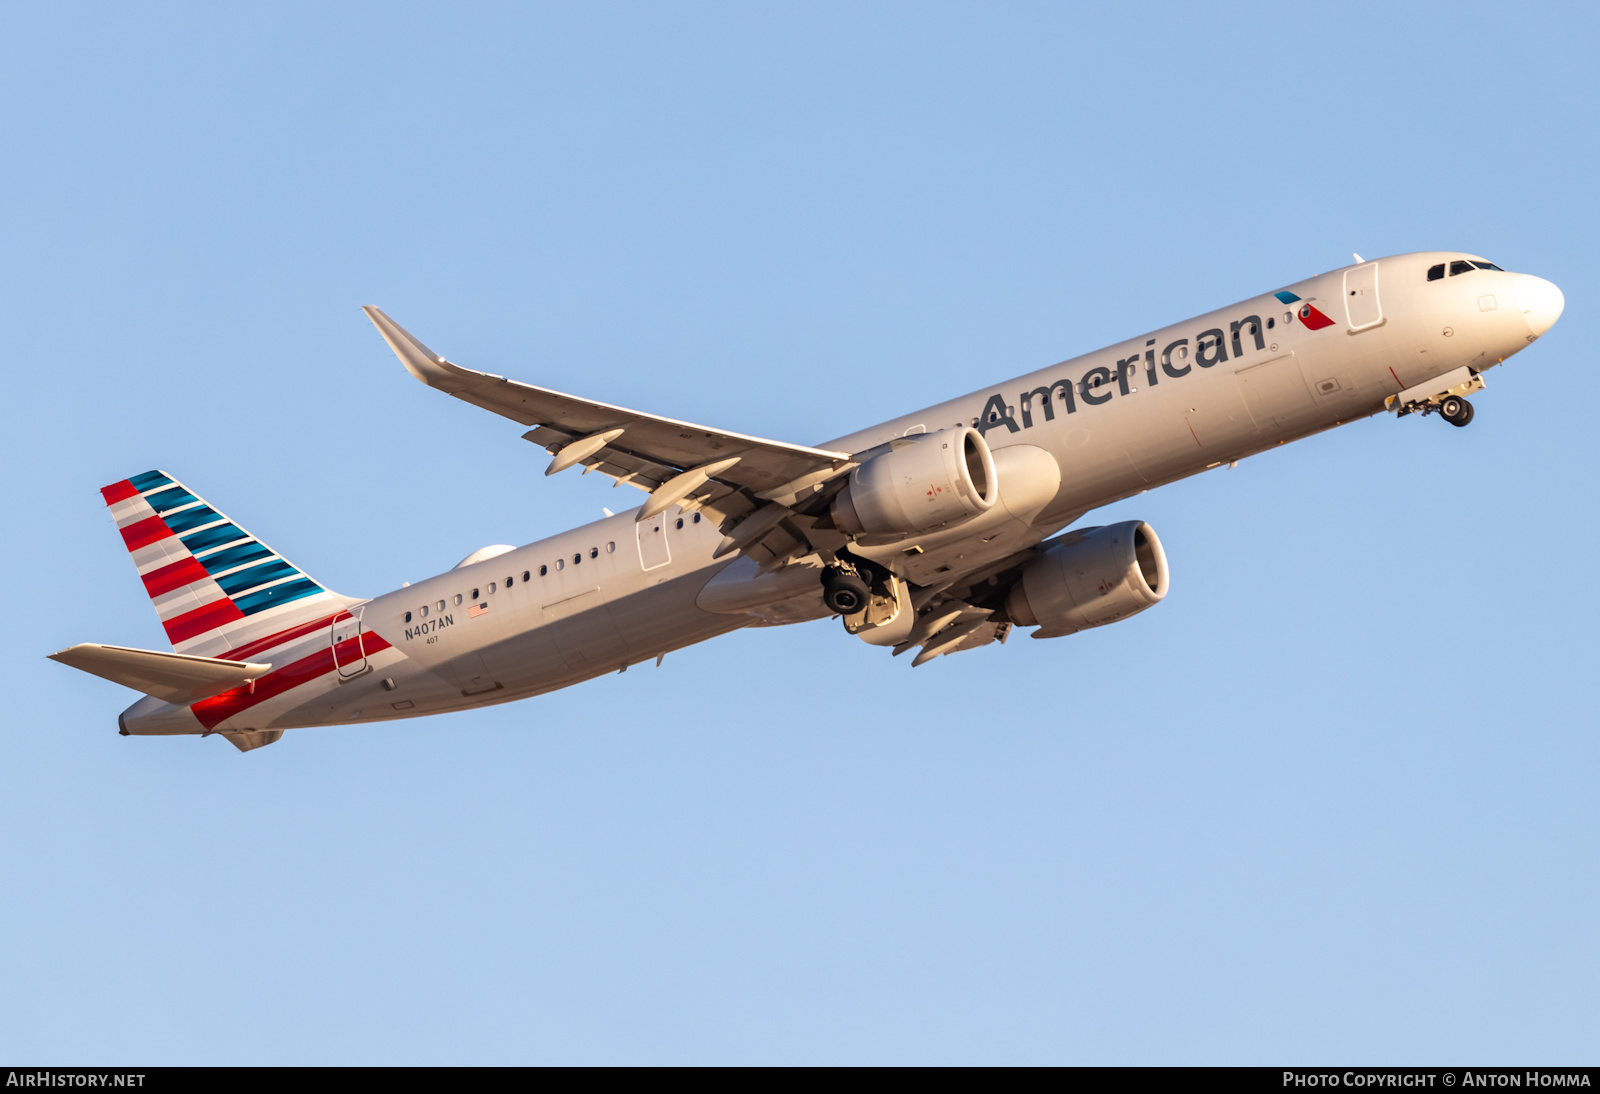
[173, 677]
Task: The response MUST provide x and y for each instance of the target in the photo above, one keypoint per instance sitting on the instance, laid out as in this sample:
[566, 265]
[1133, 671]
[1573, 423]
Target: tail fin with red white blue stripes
[216, 587]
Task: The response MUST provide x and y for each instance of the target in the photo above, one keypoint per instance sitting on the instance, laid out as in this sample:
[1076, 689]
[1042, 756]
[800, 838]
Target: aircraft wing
[643, 450]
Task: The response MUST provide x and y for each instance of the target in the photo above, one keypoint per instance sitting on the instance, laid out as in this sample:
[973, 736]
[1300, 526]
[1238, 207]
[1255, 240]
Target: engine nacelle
[937, 479]
[1099, 576]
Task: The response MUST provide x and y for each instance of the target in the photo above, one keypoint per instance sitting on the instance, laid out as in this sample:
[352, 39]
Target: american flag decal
[476, 610]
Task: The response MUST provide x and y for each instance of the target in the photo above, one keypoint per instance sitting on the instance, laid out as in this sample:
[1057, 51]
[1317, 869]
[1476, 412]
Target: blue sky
[1332, 800]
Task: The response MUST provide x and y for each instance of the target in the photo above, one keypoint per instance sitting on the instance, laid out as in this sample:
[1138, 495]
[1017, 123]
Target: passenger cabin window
[510, 581]
[577, 558]
[491, 589]
[474, 594]
[1436, 273]
[424, 610]
[543, 570]
[697, 518]
[441, 605]
[561, 563]
[1460, 268]
[408, 617]
[526, 577]
[680, 522]
[611, 548]
[458, 599]
[594, 552]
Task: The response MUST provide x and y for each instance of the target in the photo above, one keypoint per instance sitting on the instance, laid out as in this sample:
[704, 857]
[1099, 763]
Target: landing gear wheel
[1456, 410]
[844, 593]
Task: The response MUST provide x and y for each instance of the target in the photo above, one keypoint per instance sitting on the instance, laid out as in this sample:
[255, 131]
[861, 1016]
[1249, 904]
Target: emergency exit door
[653, 549]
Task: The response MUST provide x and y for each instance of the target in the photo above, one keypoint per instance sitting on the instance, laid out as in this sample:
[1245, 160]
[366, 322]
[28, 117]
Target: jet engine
[1090, 578]
[934, 480]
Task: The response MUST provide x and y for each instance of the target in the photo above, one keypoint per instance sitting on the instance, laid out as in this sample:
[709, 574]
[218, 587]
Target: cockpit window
[1488, 266]
[1460, 267]
[1435, 273]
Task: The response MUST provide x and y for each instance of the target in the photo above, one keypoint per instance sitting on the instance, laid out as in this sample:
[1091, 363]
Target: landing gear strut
[1455, 410]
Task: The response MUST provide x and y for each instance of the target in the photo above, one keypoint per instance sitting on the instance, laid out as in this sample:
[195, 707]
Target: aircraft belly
[471, 674]
[528, 663]
[1093, 462]
[586, 637]
[1217, 417]
[1183, 431]
[740, 588]
[1276, 395]
[1153, 436]
[666, 617]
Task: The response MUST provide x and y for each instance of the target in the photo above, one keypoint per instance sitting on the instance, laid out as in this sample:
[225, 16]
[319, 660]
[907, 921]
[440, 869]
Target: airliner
[939, 532]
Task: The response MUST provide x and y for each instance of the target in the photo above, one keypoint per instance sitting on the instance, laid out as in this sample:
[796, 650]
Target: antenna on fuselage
[1358, 258]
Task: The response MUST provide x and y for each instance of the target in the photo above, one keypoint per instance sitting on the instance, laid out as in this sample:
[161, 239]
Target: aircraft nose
[1541, 303]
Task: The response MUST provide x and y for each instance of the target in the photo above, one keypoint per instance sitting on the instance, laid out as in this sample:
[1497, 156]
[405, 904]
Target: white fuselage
[1161, 406]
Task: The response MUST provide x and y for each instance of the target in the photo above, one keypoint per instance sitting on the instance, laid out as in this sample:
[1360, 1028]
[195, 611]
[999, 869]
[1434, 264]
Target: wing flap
[172, 677]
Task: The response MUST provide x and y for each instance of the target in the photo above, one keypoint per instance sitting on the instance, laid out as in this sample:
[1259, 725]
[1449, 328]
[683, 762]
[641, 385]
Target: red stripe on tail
[249, 649]
[118, 491]
[184, 627]
[145, 532]
[183, 572]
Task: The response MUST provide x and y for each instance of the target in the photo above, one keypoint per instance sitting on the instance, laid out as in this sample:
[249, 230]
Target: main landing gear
[844, 590]
[1455, 410]
[849, 583]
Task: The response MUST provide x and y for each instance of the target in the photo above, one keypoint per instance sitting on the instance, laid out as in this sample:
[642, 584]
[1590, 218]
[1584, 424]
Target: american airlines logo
[1100, 384]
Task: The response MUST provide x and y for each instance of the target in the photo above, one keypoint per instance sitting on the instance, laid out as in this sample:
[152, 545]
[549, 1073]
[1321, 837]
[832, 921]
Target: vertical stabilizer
[218, 590]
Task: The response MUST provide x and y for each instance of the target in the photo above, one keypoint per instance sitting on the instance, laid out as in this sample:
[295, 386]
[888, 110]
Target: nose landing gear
[1445, 393]
[1455, 410]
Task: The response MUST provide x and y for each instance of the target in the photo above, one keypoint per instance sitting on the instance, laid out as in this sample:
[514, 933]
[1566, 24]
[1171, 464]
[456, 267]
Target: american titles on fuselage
[1100, 384]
